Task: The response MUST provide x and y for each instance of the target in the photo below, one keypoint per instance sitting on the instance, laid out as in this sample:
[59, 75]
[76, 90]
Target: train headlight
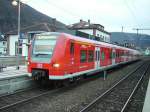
[28, 62]
[56, 65]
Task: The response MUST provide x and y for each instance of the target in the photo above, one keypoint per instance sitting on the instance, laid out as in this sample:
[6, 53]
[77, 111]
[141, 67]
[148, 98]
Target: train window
[83, 56]
[72, 48]
[96, 56]
[98, 53]
[127, 53]
[113, 54]
[103, 55]
[90, 56]
[117, 54]
[121, 53]
[110, 55]
[124, 54]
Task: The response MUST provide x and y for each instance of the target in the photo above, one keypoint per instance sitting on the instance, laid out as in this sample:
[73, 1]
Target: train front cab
[42, 59]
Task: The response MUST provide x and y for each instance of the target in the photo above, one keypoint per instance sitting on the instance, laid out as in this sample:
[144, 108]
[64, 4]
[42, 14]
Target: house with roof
[17, 45]
[90, 30]
[3, 45]
[27, 33]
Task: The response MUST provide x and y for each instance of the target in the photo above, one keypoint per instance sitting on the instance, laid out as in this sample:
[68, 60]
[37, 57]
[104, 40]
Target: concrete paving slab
[146, 107]
[12, 80]
[12, 72]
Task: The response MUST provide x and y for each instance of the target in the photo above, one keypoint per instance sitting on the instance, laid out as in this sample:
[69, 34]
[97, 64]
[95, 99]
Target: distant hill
[29, 16]
[142, 40]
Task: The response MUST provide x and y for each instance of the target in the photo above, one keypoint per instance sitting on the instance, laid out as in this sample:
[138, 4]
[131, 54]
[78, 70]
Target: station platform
[11, 71]
[12, 80]
[146, 107]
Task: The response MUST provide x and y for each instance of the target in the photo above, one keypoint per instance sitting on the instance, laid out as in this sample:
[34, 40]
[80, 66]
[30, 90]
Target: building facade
[3, 45]
[95, 30]
[26, 35]
[14, 47]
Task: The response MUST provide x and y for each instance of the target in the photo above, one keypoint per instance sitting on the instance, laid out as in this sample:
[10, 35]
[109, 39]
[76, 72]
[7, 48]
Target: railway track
[20, 98]
[10, 101]
[117, 98]
[136, 102]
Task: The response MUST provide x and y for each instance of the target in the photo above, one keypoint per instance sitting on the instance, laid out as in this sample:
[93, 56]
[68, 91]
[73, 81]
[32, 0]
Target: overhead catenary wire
[134, 17]
[70, 13]
[63, 9]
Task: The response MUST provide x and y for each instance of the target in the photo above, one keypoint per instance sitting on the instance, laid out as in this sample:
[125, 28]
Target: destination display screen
[45, 37]
[43, 46]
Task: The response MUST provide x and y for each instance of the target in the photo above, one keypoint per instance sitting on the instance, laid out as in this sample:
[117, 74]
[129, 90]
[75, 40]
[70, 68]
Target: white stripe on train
[88, 72]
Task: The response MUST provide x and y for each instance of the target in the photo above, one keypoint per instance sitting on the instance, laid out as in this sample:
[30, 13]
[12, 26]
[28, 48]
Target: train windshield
[43, 47]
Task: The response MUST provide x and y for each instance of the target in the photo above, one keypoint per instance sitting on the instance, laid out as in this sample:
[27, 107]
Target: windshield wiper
[40, 54]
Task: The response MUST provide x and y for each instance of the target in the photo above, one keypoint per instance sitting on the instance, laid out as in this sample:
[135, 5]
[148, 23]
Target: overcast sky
[112, 14]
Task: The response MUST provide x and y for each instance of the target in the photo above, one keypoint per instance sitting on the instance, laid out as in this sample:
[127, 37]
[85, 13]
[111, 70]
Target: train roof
[97, 42]
[88, 40]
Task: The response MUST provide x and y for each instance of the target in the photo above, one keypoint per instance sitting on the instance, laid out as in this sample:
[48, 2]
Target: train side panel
[74, 57]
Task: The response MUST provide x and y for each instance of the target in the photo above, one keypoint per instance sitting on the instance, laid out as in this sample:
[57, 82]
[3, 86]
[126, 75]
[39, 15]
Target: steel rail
[19, 91]
[16, 92]
[29, 99]
[136, 87]
[110, 89]
[39, 95]
[45, 93]
[16, 82]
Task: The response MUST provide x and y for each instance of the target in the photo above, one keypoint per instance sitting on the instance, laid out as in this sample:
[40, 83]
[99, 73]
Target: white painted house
[12, 40]
[96, 30]
[24, 39]
[26, 35]
[3, 45]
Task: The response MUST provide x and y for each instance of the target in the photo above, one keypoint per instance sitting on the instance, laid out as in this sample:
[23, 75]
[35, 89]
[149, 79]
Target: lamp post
[15, 3]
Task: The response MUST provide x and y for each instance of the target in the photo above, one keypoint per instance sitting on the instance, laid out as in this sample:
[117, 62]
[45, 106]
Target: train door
[97, 57]
[72, 63]
[113, 56]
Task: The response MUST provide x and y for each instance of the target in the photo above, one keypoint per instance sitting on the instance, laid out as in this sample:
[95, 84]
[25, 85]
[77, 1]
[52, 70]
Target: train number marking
[39, 65]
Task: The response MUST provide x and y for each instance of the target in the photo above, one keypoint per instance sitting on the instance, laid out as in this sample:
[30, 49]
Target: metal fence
[11, 60]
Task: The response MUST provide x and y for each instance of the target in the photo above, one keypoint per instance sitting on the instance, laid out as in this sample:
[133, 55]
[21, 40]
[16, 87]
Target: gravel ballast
[72, 100]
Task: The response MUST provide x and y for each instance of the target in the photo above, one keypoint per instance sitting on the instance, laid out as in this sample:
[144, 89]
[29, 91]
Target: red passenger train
[59, 56]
